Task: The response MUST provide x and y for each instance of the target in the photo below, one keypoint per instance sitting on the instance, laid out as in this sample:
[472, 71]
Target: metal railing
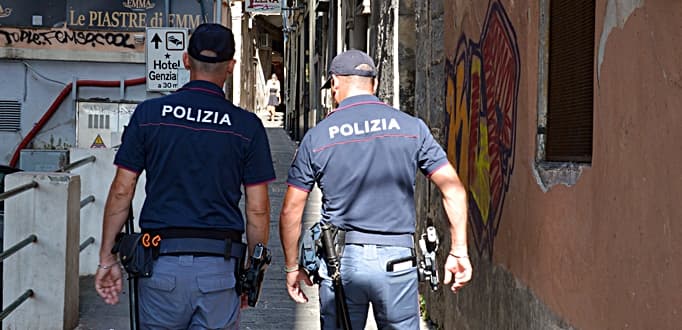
[16, 191]
[16, 247]
[29, 293]
[78, 163]
[5, 312]
[86, 242]
[87, 200]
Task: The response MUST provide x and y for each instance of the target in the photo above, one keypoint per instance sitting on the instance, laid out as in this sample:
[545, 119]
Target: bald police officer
[364, 157]
[198, 149]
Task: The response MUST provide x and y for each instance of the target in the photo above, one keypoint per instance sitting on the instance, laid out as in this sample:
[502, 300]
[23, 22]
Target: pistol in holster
[250, 279]
[428, 244]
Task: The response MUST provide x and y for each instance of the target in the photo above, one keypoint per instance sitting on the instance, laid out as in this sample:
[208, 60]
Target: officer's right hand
[294, 286]
[109, 283]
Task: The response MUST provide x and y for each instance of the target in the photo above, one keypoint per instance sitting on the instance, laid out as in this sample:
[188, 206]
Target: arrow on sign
[156, 40]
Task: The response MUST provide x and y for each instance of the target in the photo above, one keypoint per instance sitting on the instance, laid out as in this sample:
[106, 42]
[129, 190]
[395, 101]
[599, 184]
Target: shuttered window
[10, 116]
[570, 81]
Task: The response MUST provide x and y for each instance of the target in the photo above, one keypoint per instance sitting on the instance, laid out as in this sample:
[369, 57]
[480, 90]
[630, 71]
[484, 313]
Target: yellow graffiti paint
[480, 182]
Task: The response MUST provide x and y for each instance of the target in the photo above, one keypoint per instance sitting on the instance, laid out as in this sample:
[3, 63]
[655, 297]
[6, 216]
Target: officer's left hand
[294, 285]
[460, 268]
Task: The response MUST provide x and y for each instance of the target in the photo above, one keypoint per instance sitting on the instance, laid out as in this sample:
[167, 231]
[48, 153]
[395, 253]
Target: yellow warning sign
[98, 143]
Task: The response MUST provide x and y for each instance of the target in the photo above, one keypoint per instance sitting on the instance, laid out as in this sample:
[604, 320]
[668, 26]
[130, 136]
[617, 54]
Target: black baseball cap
[347, 63]
[213, 37]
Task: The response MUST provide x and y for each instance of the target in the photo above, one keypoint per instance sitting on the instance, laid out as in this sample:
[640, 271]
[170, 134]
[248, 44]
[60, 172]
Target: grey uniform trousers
[394, 295]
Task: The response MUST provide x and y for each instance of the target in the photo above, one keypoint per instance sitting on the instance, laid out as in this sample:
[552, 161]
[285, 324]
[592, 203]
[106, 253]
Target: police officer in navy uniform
[364, 157]
[198, 150]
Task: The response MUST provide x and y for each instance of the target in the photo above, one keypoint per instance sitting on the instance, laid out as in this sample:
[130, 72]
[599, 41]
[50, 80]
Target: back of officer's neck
[216, 79]
[355, 92]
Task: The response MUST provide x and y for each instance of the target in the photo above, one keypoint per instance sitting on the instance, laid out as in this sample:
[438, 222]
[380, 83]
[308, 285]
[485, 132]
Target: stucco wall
[601, 253]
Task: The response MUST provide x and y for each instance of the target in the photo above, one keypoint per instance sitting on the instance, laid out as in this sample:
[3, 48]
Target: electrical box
[101, 124]
[40, 160]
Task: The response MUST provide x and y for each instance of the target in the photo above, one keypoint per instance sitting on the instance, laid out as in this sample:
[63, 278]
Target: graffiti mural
[482, 89]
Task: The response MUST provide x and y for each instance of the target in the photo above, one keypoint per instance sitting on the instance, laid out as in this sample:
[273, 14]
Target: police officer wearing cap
[364, 157]
[198, 150]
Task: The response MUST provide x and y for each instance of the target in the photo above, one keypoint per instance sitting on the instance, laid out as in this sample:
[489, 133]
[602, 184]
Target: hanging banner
[264, 6]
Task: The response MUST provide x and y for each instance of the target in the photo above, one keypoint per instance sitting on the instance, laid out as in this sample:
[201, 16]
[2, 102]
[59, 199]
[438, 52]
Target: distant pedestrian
[198, 150]
[364, 157]
[273, 87]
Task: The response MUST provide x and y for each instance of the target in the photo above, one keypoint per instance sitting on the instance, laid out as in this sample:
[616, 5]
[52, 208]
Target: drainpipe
[219, 11]
[166, 12]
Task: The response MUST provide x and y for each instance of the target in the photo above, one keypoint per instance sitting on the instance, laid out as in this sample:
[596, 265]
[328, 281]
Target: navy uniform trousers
[188, 292]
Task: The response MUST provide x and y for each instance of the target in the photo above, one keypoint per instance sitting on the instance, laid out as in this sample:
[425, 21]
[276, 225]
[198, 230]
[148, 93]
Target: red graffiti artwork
[481, 100]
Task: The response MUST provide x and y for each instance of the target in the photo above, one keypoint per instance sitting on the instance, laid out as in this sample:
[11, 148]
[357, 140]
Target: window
[565, 85]
[10, 116]
[570, 81]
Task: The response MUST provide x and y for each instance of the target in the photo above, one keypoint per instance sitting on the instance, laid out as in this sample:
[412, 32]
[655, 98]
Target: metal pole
[13, 249]
[15, 191]
[5, 312]
[219, 11]
[167, 12]
[77, 163]
[87, 200]
[87, 242]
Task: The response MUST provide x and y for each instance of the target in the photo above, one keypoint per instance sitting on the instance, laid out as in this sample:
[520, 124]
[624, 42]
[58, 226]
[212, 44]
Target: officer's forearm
[290, 224]
[454, 202]
[455, 205]
[257, 215]
[116, 212]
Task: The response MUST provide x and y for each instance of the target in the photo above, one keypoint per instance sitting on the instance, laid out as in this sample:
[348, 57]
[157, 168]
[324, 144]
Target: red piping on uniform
[58, 101]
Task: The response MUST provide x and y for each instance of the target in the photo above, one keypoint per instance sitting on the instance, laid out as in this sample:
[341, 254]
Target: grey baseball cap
[347, 63]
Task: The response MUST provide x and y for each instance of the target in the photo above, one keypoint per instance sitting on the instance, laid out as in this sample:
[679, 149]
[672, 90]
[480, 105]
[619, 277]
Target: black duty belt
[202, 246]
[180, 232]
[198, 241]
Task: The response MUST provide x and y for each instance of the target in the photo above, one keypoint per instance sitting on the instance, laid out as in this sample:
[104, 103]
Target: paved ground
[275, 310]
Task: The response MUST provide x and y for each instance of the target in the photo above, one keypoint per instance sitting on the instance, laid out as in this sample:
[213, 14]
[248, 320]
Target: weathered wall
[27, 82]
[601, 253]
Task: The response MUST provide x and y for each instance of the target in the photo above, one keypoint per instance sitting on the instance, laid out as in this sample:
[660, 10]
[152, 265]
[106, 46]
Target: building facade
[562, 119]
[100, 47]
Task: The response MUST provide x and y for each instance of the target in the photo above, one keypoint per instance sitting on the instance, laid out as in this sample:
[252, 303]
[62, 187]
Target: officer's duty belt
[201, 246]
[358, 237]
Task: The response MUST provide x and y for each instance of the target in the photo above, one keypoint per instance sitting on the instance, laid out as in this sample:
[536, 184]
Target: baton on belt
[333, 269]
[132, 281]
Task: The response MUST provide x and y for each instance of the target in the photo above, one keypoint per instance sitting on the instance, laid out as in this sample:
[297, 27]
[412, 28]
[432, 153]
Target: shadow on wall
[482, 84]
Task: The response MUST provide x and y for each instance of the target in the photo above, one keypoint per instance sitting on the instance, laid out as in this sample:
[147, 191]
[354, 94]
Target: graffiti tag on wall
[481, 99]
[66, 37]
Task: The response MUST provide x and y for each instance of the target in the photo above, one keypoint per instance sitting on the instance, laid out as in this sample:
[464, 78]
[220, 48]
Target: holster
[309, 255]
[311, 250]
[249, 281]
[137, 260]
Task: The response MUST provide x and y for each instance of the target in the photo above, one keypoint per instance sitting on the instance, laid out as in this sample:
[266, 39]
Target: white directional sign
[164, 57]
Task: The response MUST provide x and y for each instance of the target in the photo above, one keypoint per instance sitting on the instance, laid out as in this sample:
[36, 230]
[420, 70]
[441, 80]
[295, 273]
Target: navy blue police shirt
[197, 149]
[364, 157]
